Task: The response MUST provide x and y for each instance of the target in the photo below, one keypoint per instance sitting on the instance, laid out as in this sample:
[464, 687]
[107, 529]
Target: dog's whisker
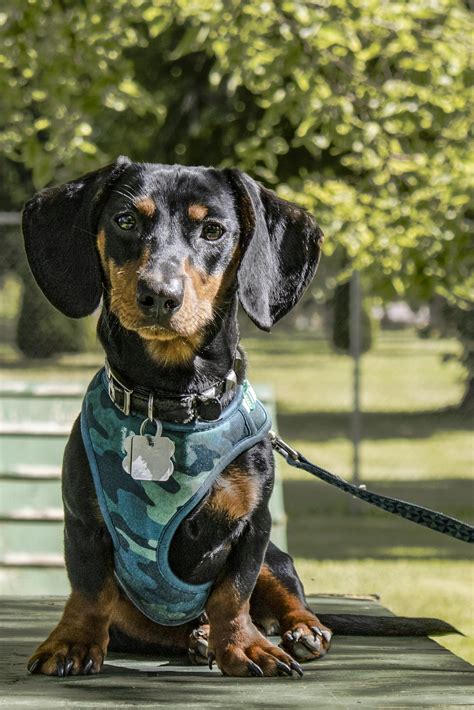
[86, 231]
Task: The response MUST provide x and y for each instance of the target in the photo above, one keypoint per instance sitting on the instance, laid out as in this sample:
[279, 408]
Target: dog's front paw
[248, 653]
[306, 639]
[61, 657]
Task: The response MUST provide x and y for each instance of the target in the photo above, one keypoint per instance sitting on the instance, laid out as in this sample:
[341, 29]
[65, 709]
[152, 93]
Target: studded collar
[179, 408]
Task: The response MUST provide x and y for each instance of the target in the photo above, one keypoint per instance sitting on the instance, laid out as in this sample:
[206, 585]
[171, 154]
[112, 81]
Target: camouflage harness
[143, 515]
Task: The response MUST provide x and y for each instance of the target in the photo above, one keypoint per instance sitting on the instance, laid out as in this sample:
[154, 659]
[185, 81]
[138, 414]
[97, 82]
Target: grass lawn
[416, 447]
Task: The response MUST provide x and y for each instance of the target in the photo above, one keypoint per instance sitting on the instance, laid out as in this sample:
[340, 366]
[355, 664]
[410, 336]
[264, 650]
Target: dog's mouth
[187, 324]
[157, 332]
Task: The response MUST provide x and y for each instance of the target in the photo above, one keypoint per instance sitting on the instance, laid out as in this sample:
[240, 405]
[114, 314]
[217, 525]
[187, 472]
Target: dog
[171, 251]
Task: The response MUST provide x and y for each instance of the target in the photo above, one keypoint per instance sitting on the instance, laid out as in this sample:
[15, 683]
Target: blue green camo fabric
[143, 515]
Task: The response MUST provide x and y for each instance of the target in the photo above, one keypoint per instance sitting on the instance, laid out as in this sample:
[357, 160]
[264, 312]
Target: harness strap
[410, 511]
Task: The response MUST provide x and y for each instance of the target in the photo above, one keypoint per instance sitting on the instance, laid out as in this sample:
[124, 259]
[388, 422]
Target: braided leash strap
[410, 511]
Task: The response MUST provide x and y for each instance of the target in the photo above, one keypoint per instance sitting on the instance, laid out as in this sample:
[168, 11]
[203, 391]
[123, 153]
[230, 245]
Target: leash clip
[282, 447]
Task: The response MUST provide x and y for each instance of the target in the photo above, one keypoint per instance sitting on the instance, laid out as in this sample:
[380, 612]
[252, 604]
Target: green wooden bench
[35, 421]
[364, 672]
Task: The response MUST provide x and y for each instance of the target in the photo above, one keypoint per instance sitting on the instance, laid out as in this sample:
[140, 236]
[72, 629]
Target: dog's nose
[161, 299]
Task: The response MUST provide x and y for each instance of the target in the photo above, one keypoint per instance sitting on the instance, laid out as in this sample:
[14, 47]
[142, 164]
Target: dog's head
[169, 246]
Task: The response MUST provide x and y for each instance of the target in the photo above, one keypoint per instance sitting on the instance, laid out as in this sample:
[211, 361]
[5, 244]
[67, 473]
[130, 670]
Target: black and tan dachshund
[172, 251]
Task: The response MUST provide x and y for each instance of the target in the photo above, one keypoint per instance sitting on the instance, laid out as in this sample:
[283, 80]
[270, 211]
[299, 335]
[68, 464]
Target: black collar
[182, 409]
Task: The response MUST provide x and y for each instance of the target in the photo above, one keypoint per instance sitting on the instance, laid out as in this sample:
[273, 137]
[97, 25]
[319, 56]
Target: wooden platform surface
[358, 672]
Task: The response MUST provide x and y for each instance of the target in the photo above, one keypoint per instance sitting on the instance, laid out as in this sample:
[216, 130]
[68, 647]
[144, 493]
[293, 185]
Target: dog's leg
[79, 642]
[234, 641]
[278, 603]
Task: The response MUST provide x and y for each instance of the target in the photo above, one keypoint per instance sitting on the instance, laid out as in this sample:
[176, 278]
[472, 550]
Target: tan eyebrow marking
[197, 212]
[146, 206]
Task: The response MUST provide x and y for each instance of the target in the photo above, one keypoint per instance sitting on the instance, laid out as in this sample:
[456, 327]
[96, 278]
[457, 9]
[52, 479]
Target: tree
[461, 320]
[360, 111]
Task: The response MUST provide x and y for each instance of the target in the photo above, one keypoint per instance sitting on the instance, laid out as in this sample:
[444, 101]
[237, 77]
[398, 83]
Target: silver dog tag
[148, 458]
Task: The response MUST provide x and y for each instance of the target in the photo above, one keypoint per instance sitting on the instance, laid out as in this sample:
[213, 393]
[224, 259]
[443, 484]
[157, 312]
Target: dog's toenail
[60, 669]
[284, 668]
[34, 666]
[296, 667]
[254, 669]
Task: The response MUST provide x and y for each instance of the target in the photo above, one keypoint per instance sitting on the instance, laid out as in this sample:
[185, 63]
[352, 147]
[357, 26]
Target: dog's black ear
[281, 245]
[59, 228]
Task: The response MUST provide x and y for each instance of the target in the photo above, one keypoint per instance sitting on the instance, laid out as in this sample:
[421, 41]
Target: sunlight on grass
[444, 455]
[405, 386]
[401, 373]
[401, 551]
[406, 587]
[443, 458]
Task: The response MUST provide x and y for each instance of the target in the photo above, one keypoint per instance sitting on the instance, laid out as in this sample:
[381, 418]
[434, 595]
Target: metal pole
[355, 311]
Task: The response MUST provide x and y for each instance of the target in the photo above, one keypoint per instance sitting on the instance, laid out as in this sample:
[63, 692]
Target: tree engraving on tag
[148, 458]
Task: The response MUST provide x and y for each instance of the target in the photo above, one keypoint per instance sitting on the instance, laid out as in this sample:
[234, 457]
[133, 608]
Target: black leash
[415, 513]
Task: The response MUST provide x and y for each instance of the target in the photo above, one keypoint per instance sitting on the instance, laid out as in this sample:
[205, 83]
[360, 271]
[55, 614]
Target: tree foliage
[355, 108]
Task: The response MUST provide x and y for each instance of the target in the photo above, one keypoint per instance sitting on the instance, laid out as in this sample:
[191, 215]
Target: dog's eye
[126, 221]
[212, 231]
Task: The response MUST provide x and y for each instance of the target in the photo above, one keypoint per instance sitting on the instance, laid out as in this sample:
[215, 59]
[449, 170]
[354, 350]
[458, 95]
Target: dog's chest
[143, 515]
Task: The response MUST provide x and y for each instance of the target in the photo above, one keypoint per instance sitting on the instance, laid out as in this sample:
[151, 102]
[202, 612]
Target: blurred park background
[361, 112]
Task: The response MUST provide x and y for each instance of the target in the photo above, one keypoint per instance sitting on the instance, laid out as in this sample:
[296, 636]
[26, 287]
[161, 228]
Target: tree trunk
[467, 402]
